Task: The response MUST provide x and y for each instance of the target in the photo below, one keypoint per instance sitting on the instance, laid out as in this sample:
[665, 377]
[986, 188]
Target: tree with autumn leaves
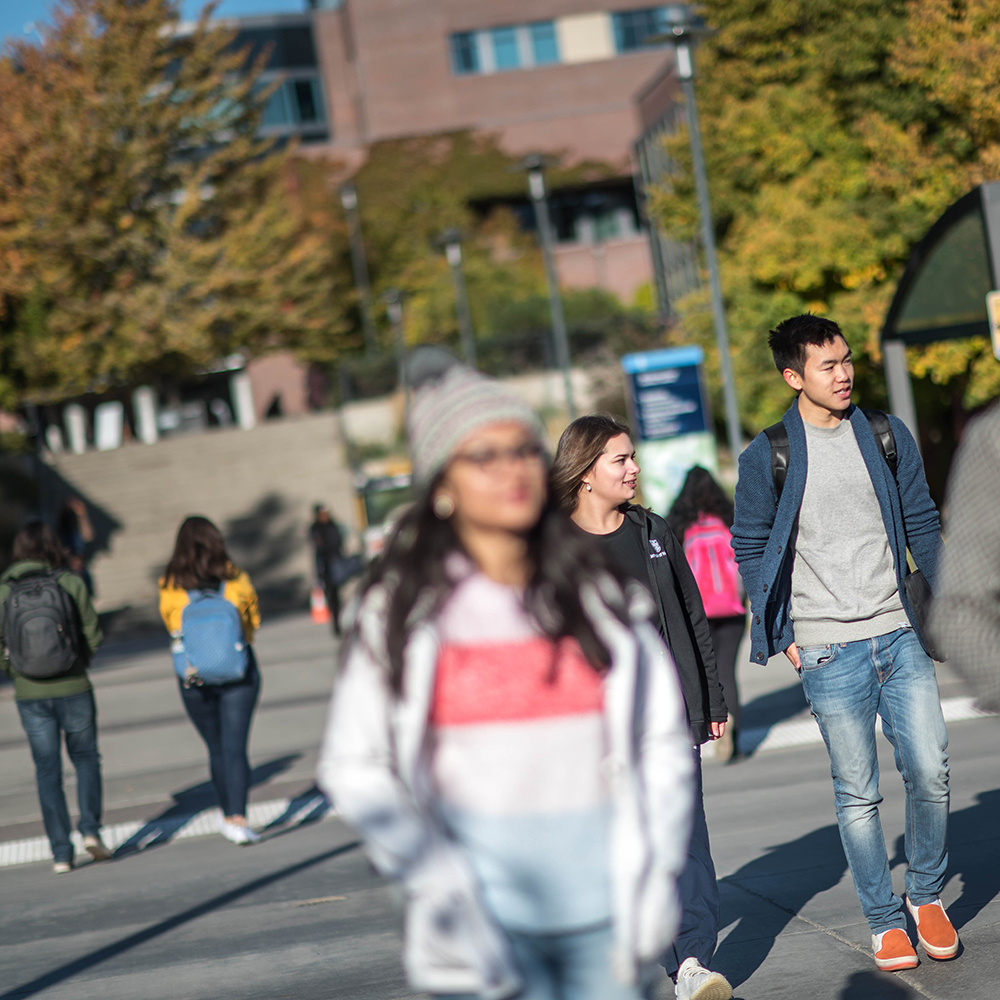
[145, 230]
[836, 132]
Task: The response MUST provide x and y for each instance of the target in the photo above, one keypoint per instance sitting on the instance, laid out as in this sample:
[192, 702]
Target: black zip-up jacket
[683, 623]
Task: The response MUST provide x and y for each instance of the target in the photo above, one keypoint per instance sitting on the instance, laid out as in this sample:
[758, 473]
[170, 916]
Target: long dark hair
[37, 540]
[199, 556]
[413, 568]
[581, 445]
[700, 494]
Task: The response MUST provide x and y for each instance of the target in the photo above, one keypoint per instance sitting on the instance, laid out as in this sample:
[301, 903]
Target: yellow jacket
[239, 592]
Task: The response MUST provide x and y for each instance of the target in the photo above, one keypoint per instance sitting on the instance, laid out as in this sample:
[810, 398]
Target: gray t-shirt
[844, 576]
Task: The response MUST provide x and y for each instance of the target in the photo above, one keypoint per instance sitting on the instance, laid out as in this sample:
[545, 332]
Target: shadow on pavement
[765, 895]
[973, 853]
[190, 802]
[70, 969]
[872, 986]
[767, 710]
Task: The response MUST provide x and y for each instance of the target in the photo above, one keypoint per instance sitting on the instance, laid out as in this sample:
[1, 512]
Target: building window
[633, 28]
[464, 53]
[505, 51]
[544, 45]
[295, 102]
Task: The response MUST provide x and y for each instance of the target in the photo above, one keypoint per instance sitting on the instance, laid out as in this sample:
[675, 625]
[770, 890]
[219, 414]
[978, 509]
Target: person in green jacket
[62, 704]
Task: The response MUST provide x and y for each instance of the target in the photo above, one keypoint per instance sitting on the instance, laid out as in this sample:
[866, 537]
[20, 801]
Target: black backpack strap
[777, 436]
[884, 438]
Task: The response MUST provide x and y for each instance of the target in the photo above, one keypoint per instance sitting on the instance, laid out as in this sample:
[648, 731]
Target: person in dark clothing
[76, 535]
[702, 517]
[593, 480]
[328, 545]
[60, 706]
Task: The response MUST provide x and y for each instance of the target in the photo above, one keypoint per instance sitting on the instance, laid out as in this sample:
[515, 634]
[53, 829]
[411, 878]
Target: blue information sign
[666, 391]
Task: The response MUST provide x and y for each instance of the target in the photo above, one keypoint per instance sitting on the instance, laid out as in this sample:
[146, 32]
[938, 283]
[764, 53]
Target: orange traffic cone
[318, 607]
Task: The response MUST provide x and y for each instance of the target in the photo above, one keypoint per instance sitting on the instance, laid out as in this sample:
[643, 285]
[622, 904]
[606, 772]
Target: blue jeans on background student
[222, 713]
[45, 720]
[574, 965]
[847, 685]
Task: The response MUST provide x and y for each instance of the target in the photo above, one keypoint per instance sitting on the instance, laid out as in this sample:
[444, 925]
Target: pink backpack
[706, 545]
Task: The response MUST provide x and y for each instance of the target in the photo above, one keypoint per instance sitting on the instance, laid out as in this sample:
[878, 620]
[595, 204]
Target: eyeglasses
[490, 460]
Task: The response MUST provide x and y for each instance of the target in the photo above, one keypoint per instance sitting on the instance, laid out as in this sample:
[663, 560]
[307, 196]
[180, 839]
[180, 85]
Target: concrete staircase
[258, 486]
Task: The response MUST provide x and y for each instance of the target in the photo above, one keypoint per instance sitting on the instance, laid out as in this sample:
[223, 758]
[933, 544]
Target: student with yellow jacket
[222, 712]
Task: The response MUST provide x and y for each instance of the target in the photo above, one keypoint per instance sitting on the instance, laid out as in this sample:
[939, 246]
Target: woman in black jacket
[593, 480]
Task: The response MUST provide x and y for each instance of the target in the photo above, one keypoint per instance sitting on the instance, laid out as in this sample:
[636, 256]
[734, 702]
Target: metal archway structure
[942, 293]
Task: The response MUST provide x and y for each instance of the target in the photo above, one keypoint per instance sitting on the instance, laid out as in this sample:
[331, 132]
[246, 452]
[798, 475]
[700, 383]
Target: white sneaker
[238, 834]
[695, 982]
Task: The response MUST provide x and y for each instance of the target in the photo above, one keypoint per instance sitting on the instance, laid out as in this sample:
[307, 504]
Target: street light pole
[536, 185]
[394, 307]
[452, 240]
[349, 199]
[685, 70]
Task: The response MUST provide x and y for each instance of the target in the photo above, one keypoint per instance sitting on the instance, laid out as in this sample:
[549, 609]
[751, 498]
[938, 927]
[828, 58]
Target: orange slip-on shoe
[935, 932]
[893, 951]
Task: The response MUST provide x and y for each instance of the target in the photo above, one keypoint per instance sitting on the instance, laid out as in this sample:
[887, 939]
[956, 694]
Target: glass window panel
[464, 53]
[276, 109]
[544, 45]
[305, 100]
[633, 27]
[505, 52]
[950, 288]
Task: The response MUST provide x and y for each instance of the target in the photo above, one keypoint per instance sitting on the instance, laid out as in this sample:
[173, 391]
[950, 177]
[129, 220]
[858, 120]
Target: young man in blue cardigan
[824, 568]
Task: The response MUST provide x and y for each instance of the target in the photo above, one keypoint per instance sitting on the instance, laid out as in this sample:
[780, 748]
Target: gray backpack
[41, 627]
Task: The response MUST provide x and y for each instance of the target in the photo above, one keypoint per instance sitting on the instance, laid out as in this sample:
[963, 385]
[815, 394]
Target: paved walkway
[169, 922]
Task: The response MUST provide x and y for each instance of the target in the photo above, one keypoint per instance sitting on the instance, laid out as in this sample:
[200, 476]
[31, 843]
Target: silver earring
[443, 506]
[589, 487]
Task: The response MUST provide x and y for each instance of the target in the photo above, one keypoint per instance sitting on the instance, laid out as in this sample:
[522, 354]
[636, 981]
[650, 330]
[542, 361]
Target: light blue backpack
[211, 648]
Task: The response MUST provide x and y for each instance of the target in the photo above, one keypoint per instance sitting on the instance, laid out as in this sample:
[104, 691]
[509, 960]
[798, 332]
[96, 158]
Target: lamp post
[349, 199]
[451, 239]
[393, 299]
[534, 165]
[681, 34]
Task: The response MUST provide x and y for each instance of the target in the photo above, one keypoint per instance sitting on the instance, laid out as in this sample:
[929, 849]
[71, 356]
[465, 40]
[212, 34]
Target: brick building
[553, 76]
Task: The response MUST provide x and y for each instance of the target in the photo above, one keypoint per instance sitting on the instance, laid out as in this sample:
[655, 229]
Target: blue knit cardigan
[763, 528]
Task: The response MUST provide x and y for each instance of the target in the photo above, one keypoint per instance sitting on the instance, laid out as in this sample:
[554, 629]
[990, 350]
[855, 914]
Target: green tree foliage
[144, 229]
[411, 190]
[836, 131]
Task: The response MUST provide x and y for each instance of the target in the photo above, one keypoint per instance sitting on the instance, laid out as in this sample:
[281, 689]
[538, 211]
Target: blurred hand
[716, 730]
[793, 654]
[76, 505]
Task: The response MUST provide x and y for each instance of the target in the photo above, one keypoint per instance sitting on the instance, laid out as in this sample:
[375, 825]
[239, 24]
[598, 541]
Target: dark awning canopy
[942, 294]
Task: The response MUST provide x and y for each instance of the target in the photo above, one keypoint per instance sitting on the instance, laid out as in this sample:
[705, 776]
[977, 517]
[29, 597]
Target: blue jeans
[698, 891]
[847, 684]
[575, 965]
[45, 720]
[221, 713]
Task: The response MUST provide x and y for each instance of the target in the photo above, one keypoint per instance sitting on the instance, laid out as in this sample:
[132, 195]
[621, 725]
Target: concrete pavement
[302, 916]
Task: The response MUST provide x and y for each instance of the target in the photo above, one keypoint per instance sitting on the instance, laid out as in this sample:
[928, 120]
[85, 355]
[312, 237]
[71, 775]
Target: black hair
[790, 338]
[36, 540]
[700, 494]
[415, 572]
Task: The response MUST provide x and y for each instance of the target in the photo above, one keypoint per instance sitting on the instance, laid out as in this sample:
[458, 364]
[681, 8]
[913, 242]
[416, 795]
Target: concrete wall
[258, 486]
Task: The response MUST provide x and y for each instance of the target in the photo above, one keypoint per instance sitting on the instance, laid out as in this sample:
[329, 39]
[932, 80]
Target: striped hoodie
[518, 743]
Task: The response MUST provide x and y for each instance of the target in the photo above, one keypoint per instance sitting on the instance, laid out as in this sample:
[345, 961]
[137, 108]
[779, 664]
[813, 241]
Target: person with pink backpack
[701, 518]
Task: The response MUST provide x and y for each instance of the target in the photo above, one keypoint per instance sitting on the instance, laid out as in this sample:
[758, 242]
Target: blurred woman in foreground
[507, 732]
